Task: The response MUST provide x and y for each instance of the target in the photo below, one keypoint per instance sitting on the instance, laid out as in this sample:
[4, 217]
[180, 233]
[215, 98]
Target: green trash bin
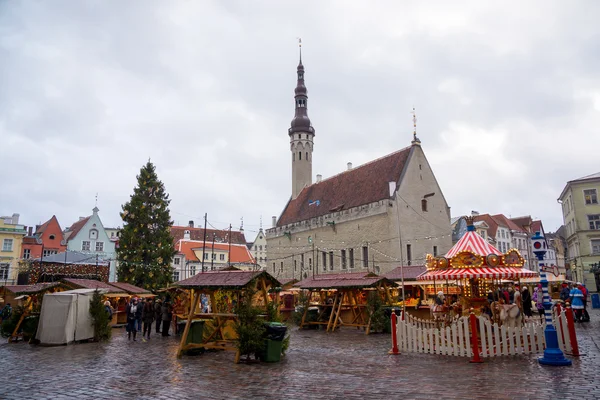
[274, 335]
[272, 351]
[196, 331]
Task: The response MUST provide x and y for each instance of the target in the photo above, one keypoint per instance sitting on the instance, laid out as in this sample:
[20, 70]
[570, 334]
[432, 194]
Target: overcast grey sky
[507, 97]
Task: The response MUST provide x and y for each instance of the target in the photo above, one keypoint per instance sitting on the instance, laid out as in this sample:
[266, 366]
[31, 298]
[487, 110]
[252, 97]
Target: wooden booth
[341, 299]
[286, 296]
[30, 297]
[224, 290]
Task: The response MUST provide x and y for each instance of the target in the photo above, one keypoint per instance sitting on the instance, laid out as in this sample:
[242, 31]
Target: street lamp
[553, 354]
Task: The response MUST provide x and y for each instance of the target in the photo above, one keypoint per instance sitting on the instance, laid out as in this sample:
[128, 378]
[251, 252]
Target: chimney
[349, 166]
[186, 235]
[274, 218]
[474, 213]
[15, 218]
[319, 178]
[30, 231]
[191, 224]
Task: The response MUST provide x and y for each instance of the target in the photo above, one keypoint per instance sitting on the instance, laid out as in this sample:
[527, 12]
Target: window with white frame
[85, 245]
[193, 269]
[206, 256]
[7, 245]
[47, 253]
[175, 276]
[26, 254]
[4, 268]
[222, 257]
[99, 246]
[595, 245]
[593, 220]
[177, 260]
[590, 195]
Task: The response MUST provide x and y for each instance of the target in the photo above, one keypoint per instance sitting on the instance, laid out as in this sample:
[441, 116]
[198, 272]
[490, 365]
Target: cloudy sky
[507, 98]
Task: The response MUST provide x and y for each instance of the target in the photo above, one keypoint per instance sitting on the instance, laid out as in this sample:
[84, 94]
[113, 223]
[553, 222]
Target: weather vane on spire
[96, 205]
[414, 114]
[300, 48]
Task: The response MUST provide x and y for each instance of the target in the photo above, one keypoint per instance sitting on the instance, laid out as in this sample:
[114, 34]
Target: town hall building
[366, 218]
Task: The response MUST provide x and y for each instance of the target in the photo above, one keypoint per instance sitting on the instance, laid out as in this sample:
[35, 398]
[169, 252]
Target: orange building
[48, 239]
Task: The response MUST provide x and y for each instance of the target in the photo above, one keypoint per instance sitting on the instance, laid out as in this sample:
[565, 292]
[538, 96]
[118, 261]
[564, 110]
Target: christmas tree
[146, 245]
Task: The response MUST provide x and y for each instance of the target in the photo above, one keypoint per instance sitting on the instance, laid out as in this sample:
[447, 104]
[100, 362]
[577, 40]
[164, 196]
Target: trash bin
[196, 331]
[274, 335]
[595, 300]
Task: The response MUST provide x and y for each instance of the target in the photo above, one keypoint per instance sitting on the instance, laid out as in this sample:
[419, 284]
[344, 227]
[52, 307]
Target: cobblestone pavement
[344, 364]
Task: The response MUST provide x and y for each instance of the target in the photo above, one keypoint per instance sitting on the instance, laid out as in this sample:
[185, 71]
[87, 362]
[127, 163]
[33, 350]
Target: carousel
[475, 267]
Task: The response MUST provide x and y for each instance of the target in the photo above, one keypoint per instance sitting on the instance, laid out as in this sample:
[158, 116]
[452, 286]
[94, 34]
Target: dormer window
[51, 237]
[93, 234]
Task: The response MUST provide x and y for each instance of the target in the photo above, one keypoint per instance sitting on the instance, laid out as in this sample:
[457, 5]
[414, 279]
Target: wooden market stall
[30, 296]
[286, 296]
[117, 297]
[224, 288]
[341, 299]
[120, 300]
[477, 267]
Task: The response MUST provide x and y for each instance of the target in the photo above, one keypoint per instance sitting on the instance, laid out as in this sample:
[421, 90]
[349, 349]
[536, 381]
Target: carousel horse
[510, 314]
[439, 312]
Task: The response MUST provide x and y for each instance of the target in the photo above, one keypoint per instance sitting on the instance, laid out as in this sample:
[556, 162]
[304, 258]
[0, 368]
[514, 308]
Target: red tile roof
[343, 281]
[491, 222]
[239, 252]
[364, 184]
[198, 234]
[232, 279]
[536, 226]
[129, 288]
[74, 229]
[410, 272]
[501, 218]
[30, 289]
[91, 284]
[523, 222]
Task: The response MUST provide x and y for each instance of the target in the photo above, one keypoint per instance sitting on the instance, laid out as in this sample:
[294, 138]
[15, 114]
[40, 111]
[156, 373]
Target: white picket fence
[426, 336]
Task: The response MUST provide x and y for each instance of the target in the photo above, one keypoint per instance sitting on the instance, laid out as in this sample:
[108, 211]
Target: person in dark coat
[158, 314]
[148, 317]
[565, 292]
[526, 299]
[167, 316]
[132, 311]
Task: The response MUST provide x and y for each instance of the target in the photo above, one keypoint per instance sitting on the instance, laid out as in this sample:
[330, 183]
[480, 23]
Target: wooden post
[335, 299]
[394, 323]
[339, 311]
[188, 323]
[474, 340]
[265, 292]
[25, 314]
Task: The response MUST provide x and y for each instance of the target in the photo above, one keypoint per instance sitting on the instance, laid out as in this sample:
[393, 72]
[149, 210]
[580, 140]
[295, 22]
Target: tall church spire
[301, 135]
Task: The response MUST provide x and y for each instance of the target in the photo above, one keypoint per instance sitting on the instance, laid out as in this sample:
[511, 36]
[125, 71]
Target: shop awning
[488, 273]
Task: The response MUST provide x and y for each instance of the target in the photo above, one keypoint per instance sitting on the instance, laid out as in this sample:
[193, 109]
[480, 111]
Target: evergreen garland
[146, 246]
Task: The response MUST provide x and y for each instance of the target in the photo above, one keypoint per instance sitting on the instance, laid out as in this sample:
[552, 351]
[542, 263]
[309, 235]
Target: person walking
[576, 297]
[585, 317]
[147, 318]
[5, 313]
[526, 299]
[132, 311]
[564, 292]
[167, 316]
[158, 314]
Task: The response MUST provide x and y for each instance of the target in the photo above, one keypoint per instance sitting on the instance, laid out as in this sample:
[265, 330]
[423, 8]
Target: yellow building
[11, 239]
[581, 215]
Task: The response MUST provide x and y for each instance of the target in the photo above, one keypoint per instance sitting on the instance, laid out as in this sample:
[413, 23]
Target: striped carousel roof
[471, 241]
[482, 272]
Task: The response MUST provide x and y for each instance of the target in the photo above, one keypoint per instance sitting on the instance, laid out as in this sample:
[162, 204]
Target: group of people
[577, 295]
[142, 313]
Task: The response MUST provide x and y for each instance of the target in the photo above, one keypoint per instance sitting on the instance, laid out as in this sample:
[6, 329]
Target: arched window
[424, 205]
[299, 155]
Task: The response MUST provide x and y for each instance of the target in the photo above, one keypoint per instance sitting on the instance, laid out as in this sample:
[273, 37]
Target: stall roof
[230, 279]
[483, 272]
[343, 281]
[410, 272]
[473, 242]
[287, 281]
[92, 284]
[129, 288]
[31, 289]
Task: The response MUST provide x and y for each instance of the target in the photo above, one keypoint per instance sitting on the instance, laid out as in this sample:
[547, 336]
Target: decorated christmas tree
[146, 245]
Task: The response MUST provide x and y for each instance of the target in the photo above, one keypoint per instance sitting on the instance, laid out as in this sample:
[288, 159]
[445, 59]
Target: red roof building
[48, 239]
[193, 233]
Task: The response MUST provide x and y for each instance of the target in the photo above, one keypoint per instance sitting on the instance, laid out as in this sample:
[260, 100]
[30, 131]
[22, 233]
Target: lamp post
[553, 354]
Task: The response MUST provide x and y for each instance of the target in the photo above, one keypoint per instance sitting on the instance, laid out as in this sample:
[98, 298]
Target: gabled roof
[491, 222]
[239, 252]
[474, 243]
[536, 226]
[410, 272]
[343, 281]
[361, 185]
[129, 288]
[222, 236]
[74, 229]
[91, 284]
[230, 279]
[524, 222]
[501, 218]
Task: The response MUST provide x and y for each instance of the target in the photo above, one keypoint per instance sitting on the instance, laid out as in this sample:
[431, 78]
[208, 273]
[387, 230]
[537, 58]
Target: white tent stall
[65, 317]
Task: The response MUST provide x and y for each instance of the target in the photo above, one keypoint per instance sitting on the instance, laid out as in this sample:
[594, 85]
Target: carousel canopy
[473, 242]
[483, 272]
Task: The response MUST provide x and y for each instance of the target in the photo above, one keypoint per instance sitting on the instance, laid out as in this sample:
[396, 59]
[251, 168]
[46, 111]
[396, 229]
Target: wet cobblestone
[344, 364]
